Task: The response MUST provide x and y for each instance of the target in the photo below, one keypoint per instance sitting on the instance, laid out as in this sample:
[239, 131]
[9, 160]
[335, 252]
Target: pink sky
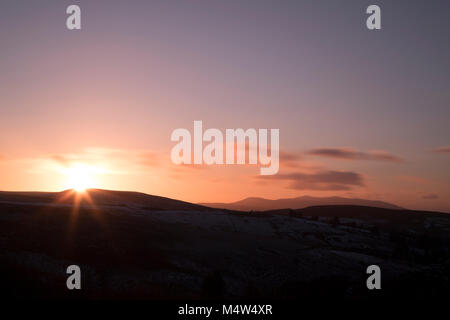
[360, 114]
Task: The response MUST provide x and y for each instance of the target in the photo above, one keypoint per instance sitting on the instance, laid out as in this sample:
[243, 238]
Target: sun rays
[81, 205]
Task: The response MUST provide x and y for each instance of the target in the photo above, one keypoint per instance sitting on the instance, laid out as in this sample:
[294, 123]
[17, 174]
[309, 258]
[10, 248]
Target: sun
[80, 177]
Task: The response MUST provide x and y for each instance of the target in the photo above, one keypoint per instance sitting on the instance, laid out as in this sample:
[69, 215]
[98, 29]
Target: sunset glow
[81, 177]
[351, 123]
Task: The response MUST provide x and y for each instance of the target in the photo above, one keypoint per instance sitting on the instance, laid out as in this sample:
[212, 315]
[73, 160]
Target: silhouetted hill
[101, 198]
[135, 246]
[262, 204]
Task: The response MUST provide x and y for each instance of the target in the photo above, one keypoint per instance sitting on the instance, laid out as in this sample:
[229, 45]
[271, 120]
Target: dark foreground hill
[130, 250]
[101, 197]
[262, 204]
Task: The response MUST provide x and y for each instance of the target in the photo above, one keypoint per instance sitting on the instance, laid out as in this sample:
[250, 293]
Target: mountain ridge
[263, 204]
[154, 202]
[102, 197]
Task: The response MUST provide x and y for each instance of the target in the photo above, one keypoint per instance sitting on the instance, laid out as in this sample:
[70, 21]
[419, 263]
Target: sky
[361, 113]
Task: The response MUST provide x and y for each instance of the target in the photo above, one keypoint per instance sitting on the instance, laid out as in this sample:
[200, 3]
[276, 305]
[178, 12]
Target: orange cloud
[119, 157]
[148, 159]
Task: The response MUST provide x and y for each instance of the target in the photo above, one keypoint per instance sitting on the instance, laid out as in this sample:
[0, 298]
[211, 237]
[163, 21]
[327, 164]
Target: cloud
[442, 150]
[290, 159]
[351, 154]
[431, 196]
[60, 159]
[182, 166]
[118, 161]
[290, 156]
[148, 159]
[413, 179]
[296, 160]
[321, 180]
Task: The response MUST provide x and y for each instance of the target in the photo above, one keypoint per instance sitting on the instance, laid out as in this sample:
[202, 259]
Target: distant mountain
[101, 197]
[131, 199]
[261, 204]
